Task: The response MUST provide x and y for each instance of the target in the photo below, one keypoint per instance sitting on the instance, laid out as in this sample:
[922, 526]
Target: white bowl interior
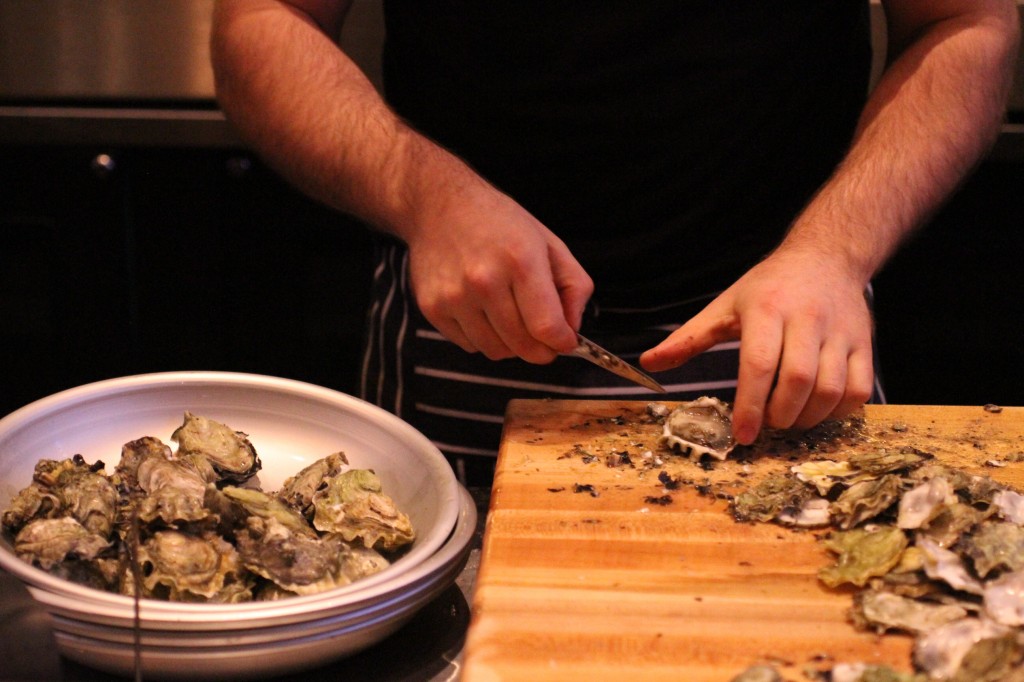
[290, 423]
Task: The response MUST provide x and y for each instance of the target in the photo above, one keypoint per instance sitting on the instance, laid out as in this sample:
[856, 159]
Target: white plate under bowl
[298, 647]
[290, 423]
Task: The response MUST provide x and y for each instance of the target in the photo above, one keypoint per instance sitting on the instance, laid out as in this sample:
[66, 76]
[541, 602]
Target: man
[718, 168]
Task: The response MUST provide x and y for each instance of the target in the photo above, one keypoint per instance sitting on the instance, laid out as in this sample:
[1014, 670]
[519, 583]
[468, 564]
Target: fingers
[574, 287]
[523, 301]
[815, 381]
[498, 331]
[703, 331]
[760, 349]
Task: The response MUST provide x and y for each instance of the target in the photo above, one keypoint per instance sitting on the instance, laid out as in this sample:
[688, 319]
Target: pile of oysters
[933, 551]
[192, 524]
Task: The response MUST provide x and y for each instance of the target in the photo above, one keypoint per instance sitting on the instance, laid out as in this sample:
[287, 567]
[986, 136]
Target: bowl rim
[40, 579]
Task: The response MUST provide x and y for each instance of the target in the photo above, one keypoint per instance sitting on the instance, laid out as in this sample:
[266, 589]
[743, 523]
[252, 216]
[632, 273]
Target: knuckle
[799, 378]
[830, 392]
[479, 279]
[760, 363]
[432, 309]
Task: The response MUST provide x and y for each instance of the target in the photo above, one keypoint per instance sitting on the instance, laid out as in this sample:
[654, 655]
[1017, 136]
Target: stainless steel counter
[127, 72]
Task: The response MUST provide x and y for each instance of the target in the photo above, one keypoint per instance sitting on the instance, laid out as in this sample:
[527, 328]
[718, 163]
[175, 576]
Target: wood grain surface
[607, 556]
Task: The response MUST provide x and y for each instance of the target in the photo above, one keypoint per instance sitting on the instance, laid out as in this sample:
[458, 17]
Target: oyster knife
[589, 350]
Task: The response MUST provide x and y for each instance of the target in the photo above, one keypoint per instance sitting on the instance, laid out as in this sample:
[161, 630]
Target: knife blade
[588, 350]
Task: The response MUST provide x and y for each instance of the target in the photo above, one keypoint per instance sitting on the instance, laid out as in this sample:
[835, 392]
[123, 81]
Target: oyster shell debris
[700, 427]
[936, 552]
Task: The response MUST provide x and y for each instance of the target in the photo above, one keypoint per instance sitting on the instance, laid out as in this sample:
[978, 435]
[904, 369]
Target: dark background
[181, 258]
[176, 259]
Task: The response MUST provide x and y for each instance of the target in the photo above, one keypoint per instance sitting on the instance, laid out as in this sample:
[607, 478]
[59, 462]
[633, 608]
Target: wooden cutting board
[593, 568]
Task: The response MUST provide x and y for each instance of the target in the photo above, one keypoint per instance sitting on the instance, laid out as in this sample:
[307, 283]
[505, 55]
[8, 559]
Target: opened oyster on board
[700, 427]
[191, 524]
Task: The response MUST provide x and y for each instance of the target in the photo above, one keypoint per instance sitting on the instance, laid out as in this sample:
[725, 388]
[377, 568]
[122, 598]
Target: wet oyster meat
[191, 524]
[700, 427]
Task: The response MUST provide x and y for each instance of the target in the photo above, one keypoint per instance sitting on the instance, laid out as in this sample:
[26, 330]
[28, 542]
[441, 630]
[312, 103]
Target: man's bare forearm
[931, 118]
[317, 119]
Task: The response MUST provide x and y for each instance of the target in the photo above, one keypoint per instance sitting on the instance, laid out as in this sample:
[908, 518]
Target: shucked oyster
[701, 427]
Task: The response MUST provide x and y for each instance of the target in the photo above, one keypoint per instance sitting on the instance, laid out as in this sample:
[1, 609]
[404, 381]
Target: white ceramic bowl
[291, 424]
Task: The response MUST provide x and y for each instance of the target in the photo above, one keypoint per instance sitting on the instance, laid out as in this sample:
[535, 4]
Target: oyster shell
[883, 611]
[354, 506]
[299, 489]
[358, 561]
[48, 542]
[1004, 599]
[700, 427]
[297, 562]
[865, 500]
[772, 497]
[887, 462]
[951, 523]
[941, 652]
[68, 487]
[1010, 504]
[923, 503]
[278, 544]
[758, 673]
[133, 453]
[825, 474]
[942, 564]
[230, 453]
[863, 554]
[174, 490]
[186, 567]
[995, 545]
[32, 502]
[814, 513]
[864, 672]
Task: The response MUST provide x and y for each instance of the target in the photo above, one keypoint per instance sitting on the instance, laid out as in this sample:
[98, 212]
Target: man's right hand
[492, 279]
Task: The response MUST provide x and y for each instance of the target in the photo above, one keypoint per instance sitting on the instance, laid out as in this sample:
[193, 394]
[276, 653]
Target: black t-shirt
[669, 143]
